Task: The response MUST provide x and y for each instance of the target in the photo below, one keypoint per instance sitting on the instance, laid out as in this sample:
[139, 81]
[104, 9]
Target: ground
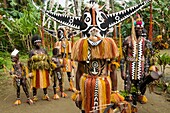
[156, 103]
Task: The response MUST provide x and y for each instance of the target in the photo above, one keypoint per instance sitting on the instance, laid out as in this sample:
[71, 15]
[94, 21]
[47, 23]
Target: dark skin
[37, 50]
[15, 59]
[113, 76]
[127, 45]
[80, 71]
[18, 75]
[138, 31]
[58, 69]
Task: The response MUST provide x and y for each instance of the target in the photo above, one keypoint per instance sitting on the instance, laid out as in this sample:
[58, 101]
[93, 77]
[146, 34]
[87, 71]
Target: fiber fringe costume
[19, 77]
[39, 66]
[137, 54]
[94, 52]
[65, 46]
[95, 83]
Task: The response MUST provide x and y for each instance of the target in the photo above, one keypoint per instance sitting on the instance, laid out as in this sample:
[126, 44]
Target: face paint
[60, 33]
[94, 21]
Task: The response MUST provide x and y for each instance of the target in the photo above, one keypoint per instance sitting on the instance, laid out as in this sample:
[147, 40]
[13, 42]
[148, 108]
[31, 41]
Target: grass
[165, 51]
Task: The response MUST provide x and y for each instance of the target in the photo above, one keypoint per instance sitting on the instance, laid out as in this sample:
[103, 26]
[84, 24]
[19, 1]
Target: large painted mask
[94, 22]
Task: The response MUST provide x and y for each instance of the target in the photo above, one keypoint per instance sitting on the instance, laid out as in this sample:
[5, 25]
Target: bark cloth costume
[96, 86]
[137, 52]
[65, 45]
[19, 77]
[39, 67]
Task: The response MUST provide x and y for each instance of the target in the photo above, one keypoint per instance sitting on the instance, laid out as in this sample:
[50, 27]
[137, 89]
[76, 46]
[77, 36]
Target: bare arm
[80, 71]
[113, 76]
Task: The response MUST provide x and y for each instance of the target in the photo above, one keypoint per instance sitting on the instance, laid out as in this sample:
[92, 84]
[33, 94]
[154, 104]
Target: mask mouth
[95, 38]
[94, 31]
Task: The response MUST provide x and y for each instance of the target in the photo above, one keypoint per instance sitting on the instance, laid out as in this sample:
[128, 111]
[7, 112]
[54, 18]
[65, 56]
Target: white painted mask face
[94, 22]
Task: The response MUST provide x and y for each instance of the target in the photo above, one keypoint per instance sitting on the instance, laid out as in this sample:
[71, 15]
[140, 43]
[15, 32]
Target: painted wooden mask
[94, 22]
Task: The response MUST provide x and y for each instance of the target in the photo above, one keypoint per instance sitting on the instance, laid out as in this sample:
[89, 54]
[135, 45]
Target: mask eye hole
[101, 19]
[87, 19]
[60, 33]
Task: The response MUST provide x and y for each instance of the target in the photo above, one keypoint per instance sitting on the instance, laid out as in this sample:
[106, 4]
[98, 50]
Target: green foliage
[124, 93]
[163, 59]
[18, 25]
[5, 59]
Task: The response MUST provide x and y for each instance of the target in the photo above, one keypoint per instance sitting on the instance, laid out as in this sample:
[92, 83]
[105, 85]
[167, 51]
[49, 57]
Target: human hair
[55, 51]
[36, 38]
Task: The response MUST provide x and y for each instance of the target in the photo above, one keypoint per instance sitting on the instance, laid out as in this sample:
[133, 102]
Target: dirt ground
[156, 103]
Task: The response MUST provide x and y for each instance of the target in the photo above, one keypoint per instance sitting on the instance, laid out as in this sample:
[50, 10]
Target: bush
[4, 59]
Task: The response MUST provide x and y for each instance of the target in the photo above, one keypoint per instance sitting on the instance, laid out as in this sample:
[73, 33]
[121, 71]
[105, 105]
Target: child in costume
[39, 67]
[57, 73]
[19, 77]
[65, 46]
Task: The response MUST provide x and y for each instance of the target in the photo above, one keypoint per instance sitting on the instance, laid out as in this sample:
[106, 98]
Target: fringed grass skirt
[95, 93]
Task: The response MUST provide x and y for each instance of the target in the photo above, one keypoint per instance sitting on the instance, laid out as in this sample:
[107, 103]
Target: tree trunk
[107, 3]
[5, 4]
[75, 5]
[42, 30]
[112, 5]
[66, 6]
[79, 2]
[10, 41]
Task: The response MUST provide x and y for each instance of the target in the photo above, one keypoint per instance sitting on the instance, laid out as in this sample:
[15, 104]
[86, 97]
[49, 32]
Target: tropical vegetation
[19, 19]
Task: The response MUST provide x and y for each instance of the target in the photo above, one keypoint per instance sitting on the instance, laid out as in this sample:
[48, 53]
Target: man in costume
[96, 87]
[39, 66]
[57, 73]
[65, 46]
[19, 77]
[137, 51]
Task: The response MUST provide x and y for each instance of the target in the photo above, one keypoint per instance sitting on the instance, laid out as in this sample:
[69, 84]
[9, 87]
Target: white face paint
[87, 20]
[100, 19]
[60, 34]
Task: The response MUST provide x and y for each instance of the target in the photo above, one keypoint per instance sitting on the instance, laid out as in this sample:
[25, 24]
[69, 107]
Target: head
[94, 23]
[61, 33]
[56, 51]
[15, 56]
[139, 26]
[36, 41]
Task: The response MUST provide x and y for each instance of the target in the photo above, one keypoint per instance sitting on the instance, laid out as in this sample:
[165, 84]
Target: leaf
[6, 25]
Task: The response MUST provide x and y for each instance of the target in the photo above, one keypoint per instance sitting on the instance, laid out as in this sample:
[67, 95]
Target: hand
[146, 74]
[14, 76]
[30, 75]
[62, 66]
[10, 72]
[123, 76]
[78, 101]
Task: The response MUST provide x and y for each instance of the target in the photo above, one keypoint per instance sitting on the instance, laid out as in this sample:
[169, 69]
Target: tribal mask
[94, 22]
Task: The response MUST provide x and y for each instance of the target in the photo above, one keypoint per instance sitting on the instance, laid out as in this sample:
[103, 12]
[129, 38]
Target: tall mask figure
[96, 85]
